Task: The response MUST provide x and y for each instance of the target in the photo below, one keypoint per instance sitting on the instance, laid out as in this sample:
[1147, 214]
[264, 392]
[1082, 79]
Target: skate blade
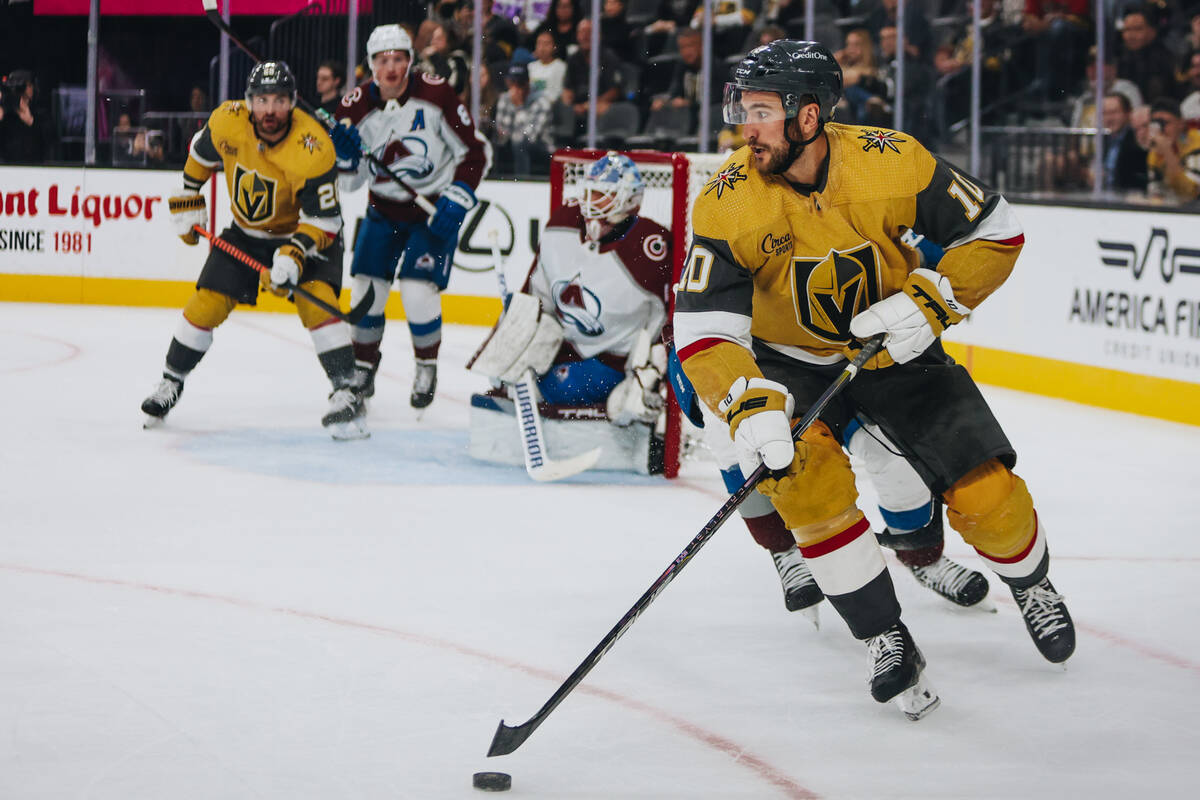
[919, 700]
[813, 615]
[987, 605]
[348, 431]
[151, 422]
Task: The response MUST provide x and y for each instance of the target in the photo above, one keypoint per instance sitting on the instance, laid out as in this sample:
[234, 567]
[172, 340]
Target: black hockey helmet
[791, 69]
[271, 77]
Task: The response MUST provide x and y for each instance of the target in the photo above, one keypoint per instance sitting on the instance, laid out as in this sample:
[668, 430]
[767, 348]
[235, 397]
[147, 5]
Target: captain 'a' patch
[253, 194]
[829, 291]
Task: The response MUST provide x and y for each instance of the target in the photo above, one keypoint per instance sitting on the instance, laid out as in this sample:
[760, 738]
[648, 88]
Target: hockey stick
[509, 737]
[214, 16]
[353, 317]
[529, 422]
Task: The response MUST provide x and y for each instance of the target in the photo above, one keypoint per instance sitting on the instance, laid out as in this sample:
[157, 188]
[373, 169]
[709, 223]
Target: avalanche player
[279, 169]
[603, 278]
[415, 125]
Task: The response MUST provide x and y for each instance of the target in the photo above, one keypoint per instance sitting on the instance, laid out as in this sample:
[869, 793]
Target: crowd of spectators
[1038, 58]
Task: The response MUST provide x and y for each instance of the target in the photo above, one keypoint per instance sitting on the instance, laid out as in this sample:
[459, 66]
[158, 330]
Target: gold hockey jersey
[789, 269]
[281, 190]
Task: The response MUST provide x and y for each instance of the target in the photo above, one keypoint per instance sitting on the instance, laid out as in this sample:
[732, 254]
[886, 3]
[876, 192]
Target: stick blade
[508, 738]
[210, 5]
[565, 468]
[356, 314]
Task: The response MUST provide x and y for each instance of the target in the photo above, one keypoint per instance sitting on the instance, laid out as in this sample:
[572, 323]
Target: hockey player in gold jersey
[796, 257]
[279, 166]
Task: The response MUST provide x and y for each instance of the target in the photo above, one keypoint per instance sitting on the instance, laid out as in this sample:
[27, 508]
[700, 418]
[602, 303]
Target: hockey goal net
[673, 181]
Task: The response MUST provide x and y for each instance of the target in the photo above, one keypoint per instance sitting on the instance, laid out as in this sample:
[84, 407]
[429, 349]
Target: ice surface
[235, 606]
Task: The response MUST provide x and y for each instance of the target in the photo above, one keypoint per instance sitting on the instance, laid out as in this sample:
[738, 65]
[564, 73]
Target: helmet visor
[742, 106]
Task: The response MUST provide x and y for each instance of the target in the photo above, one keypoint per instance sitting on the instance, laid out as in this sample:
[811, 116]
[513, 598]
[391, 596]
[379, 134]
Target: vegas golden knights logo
[829, 291]
[253, 195]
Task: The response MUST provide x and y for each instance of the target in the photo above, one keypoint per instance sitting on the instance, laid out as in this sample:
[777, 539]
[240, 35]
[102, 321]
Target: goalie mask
[386, 38]
[611, 191]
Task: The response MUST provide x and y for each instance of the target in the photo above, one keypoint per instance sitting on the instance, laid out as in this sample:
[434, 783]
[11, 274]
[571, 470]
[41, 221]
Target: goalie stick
[214, 16]
[529, 422]
[509, 737]
[353, 317]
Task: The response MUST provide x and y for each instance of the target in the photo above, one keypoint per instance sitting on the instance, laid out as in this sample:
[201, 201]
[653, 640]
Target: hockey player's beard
[780, 157]
[270, 127]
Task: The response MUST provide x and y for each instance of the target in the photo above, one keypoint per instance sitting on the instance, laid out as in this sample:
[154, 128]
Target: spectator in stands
[575, 90]
[731, 24]
[442, 58]
[770, 33]
[918, 92]
[562, 24]
[1124, 159]
[857, 60]
[1190, 107]
[1191, 40]
[498, 31]
[1173, 163]
[1083, 110]
[547, 72]
[616, 32]
[1061, 29]
[918, 36]
[1145, 60]
[523, 137]
[489, 96]
[331, 84]
[672, 15]
[24, 132]
[684, 89]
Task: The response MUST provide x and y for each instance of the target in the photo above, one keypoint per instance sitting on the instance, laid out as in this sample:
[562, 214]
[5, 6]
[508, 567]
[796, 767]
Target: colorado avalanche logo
[577, 305]
[408, 156]
[655, 247]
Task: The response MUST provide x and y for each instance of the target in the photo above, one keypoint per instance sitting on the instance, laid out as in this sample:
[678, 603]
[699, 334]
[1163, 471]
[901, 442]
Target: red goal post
[673, 181]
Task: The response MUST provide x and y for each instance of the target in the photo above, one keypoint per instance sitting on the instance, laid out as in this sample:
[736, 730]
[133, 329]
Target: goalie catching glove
[284, 274]
[188, 210]
[759, 413]
[912, 318]
[639, 398]
[526, 337]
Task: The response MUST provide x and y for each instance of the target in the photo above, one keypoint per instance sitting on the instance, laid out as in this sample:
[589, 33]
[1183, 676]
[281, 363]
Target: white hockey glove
[759, 413]
[526, 337]
[285, 270]
[188, 209]
[639, 398]
[912, 318]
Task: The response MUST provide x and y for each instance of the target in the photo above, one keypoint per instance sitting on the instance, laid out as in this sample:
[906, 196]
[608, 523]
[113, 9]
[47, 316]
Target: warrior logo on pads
[253, 195]
[577, 305]
[829, 291]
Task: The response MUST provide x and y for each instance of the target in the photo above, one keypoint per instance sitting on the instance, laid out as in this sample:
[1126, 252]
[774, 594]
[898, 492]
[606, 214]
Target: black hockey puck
[492, 781]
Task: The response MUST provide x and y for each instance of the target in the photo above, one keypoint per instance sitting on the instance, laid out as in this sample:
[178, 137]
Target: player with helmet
[764, 330]
[416, 126]
[601, 281]
[280, 171]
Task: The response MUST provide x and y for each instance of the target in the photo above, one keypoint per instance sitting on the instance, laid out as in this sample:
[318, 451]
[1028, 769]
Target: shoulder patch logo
[253, 195]
[878, 140]
[228, 149]
[310, 142]
[726, 179]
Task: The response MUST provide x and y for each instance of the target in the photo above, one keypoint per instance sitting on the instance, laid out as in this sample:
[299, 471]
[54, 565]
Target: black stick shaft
[509, 738]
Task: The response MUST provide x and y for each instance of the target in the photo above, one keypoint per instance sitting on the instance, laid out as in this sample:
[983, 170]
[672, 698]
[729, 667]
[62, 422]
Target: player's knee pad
[817, 497]
[422, 300]
[208, 309]
[991, 508]
[311, 315]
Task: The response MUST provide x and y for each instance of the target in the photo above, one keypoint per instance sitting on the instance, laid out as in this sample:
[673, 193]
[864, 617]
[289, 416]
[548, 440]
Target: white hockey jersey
[603, 295]
[426, 136]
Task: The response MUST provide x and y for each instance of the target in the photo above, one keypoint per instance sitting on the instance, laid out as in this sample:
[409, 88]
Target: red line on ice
[761, 768]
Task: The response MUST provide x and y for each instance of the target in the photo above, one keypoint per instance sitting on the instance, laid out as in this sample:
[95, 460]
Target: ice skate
[800, 590]
[424, 383]
[363, 380]
[161, 401]
[897, 673]
[344, 420]
[1047, 620]
[958, 584]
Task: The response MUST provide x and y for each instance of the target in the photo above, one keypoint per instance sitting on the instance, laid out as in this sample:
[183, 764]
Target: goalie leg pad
[817, 495]
[991, 508]
[524, 338]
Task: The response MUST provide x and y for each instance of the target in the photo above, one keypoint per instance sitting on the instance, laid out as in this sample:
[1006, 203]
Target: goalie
[586, 325]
